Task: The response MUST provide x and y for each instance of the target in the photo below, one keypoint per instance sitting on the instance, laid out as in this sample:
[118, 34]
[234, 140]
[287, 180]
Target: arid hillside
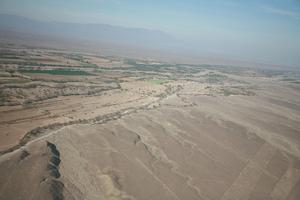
[77, 125]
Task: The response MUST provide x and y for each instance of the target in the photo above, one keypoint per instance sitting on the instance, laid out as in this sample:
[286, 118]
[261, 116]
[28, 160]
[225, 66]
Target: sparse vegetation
[157, 81]
[215, 78]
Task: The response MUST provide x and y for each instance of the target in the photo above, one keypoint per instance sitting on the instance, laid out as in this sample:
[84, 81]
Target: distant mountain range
[92, 32]
[111, 40]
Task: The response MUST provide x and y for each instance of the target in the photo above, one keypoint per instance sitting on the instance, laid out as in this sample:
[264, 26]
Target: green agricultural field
[66, 72]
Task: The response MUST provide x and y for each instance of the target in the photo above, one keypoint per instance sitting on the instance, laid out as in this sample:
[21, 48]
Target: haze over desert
[149, 100]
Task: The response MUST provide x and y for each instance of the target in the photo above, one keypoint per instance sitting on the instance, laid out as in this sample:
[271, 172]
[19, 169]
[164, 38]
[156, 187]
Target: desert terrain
[79, 125]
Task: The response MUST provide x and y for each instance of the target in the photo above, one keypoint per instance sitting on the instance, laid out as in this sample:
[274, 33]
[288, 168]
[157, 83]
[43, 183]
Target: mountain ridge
[91, 31]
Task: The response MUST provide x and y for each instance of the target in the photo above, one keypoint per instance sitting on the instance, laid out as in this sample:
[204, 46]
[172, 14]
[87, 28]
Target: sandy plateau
[84, 126]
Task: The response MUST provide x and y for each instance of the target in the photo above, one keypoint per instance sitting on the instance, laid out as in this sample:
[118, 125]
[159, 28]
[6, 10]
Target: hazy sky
[260, 30]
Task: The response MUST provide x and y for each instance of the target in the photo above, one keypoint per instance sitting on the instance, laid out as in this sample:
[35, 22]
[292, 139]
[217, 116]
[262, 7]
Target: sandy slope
[191, 147]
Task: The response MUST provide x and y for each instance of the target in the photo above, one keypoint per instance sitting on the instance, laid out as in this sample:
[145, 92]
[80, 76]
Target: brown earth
[212, 134]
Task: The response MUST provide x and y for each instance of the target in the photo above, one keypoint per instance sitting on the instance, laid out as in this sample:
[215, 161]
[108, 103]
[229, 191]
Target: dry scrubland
[84, 126]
